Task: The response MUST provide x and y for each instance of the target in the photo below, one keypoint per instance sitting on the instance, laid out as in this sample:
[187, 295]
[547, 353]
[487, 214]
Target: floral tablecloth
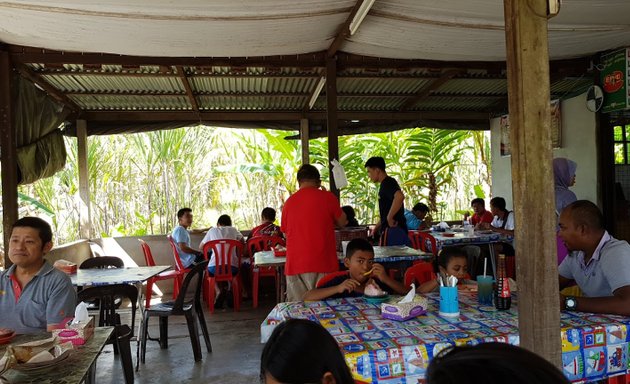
[383, 351]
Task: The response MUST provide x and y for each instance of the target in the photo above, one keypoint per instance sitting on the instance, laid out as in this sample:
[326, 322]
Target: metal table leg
[493, 259]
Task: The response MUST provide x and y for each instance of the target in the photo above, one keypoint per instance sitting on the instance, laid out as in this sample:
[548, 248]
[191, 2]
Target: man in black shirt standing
[390, 198]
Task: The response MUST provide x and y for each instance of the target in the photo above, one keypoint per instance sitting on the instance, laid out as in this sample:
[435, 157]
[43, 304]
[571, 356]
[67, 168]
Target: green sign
[614, 80]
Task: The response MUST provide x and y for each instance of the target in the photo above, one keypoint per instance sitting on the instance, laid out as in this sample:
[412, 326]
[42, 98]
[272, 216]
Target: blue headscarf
[563, 173]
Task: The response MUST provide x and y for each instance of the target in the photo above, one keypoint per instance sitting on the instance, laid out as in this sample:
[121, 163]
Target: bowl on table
[6, 335]
[376, 299]
[448, 234]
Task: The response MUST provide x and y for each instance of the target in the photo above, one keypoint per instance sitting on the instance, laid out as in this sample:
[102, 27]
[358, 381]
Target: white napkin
[409, 296]
[80, 313]
[443, 225]
[41, 357]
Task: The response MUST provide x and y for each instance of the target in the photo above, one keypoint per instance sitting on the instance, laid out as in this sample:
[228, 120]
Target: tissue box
[66, 266]
[405, 311]
[78, 333]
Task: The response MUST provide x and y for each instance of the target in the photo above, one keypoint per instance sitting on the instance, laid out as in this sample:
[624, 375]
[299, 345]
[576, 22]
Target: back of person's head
[349, 211]
[492, 363]
[478, 200]
[42, 227]
[446, 254]
[224, 221]
[358, 244]
[307, 172]
[182, 212]
[421, 207]
[584, 212]
[302, 351]
[498, 202]
[375, 162]
[268, 214]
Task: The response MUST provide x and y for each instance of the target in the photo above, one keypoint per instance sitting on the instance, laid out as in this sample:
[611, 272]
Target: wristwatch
[570, 303]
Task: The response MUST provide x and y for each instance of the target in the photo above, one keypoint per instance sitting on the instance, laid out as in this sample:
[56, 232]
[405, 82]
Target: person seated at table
[597, 262]
[415, 217]
[492, 363]
[302, 351]
[223, 230]
[34, 296]
[451, 261]
[480, 214]
[361, 270]
[350, 215]
[502, 223]
[181, 236]
[267, 226]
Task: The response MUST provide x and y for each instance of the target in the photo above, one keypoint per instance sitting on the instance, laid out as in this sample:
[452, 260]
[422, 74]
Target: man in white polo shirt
[597, 262]
[34, 296]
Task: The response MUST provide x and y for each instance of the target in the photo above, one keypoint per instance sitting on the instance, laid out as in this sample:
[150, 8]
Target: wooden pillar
[532, 179]
[8, 154]
[85, 213]
[331, 117]
[304, 136]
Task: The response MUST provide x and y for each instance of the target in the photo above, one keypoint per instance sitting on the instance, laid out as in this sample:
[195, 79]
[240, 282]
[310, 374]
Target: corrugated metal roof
[126, 103]
[251, 103]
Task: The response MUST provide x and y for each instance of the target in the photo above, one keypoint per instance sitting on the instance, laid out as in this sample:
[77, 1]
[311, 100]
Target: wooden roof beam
[344, 29]
[191, 97]
[46, 87]
[434, 85]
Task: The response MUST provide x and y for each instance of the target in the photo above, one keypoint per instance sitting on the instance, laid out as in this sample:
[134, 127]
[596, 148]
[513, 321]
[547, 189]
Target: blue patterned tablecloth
[383, 351]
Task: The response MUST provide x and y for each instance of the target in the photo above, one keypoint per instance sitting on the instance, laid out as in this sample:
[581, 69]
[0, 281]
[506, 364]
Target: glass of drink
[484, 289]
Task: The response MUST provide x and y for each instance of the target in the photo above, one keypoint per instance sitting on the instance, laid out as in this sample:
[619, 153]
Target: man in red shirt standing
[309, 217]
[480, 215]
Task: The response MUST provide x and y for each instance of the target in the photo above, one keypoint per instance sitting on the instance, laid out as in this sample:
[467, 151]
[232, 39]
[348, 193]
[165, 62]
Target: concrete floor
[235, 338]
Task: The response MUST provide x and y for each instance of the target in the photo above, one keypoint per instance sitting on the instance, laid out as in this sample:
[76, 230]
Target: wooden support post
[85, 212]
[8, 157]
[532, 181]
[304, 137]
[331, 117]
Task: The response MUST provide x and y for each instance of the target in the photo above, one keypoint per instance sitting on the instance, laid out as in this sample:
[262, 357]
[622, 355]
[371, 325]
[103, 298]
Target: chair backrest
[263, 243]
[190, 292]
[146, 251]
[223, 249]
[394, 236]
[107, 294]
[102, 262]
[324, 280]
[419, 273]
[420, 241]
[178, 262]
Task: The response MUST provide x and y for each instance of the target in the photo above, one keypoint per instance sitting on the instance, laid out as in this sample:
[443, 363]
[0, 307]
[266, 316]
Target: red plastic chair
[419, 241]
[179, 266]
[177, 276]
[257, 244]
[329, 277]
[419, 273]
[222, 249]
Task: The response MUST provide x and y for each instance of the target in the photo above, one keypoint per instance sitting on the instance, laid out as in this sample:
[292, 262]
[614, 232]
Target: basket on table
[347, 234]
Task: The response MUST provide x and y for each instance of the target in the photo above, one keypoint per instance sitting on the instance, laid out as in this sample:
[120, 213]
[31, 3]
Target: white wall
[578, 144]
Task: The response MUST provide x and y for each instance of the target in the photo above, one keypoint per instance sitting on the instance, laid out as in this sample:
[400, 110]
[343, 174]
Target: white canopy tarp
[408, 29]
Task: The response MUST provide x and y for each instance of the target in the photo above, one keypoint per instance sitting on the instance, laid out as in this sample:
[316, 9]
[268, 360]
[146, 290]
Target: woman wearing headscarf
[564, 177]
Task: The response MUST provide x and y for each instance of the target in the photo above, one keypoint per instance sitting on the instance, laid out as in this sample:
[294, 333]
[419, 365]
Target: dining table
[380, 350]
[111, 276]
[78, 367]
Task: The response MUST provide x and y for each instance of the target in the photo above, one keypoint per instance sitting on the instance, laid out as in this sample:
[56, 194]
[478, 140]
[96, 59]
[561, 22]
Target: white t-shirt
[509, 225]
[218, 233]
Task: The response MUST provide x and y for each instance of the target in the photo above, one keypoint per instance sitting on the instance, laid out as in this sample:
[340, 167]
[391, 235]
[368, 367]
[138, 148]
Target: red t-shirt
[308, 223]
[485, 218]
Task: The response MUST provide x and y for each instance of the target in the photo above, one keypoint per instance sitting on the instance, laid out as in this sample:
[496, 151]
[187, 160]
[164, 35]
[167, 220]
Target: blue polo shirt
[181, 235]
[606, 271]
[45, 300]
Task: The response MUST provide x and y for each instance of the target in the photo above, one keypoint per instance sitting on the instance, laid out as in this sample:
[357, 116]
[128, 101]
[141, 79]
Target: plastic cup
[449, 304]
[344, 246]
[484, 289]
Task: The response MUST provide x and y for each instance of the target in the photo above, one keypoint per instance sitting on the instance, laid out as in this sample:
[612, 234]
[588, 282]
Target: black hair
[584, 212]
[499, 203]
[358, 244]
[420, 207]
[478, 200]
[350, 215]
[182, 212]
[43, 228]
[446, 254]
[307, 172]
[375, 162]
[492, 363]
[225, 221]
[302, 351]
[268, 214]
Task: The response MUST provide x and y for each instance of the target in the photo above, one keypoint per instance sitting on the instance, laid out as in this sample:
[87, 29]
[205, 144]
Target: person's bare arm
[564, 282]
[428, 286]
[323, 293]
[342, 220]
[618, 304]
[503, 231]
[399, 197]
[379, 272]
[185, 248]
